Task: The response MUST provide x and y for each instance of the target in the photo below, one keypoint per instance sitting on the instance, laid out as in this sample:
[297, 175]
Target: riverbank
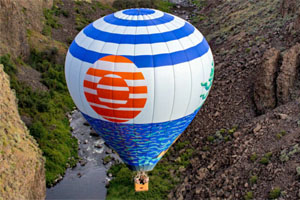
[89, 177]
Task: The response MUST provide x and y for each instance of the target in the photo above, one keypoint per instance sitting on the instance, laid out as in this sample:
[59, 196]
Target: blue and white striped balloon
[139, 76]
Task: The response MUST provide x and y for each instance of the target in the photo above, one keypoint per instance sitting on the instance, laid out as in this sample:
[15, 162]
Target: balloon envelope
[139, 76]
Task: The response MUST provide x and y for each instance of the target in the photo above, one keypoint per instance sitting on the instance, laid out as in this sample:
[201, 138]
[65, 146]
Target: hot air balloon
[139, 77]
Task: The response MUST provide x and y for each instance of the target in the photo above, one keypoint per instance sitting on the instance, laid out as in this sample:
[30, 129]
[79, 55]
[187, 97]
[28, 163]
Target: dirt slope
[235, 163]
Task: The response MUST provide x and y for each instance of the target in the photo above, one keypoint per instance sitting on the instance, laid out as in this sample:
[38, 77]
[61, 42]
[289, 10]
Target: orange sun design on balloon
[115, 88]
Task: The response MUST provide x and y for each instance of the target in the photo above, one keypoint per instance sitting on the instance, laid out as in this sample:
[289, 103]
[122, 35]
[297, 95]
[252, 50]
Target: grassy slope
[47, 110]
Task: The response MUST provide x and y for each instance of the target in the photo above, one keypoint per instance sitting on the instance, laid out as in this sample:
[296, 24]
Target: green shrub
[47, 31]
[248, 195]
[205, 148]
[100, 5]
[281, 134]
[199, 3]
[275, 193]
[227, 138]
[9, 66]
[79, 3]
[197, 18]
[185, 157]
[266, 158]
[37, 130]
[210, 138]
[81, 18]
[232, 130]
[284, 156]
[278, 136]
[50, 19]
[268, 155]
[253, 179]
[298, 170]
[180, 145]
[223, 131]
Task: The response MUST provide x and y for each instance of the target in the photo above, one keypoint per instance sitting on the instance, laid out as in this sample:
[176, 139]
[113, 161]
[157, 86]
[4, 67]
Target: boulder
[94, 133]
[264, 88]
[82, 162]
[202, 173]
[86, 123]
[288, 74]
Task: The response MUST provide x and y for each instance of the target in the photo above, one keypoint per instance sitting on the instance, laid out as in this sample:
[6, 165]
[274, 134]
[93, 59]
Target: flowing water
[88, 179]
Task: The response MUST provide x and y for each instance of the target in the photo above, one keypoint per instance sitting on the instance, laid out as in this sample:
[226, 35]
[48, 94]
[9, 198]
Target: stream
[88, 178]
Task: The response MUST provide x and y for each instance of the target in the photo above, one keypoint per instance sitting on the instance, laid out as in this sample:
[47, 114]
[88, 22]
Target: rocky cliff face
[22, 173]
[16, 17]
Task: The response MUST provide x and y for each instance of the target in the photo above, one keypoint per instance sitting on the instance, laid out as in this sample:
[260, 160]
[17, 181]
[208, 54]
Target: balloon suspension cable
[141, 181]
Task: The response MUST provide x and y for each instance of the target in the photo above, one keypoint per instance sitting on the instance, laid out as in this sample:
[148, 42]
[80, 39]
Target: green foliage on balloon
[46, 110]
